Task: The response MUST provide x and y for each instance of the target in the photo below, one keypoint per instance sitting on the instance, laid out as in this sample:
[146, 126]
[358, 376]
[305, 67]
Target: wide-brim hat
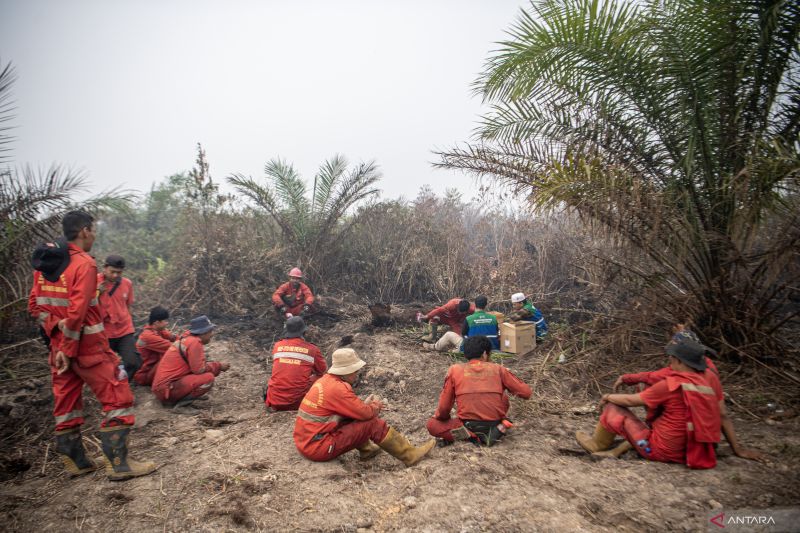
[51, 259]
[294, 327]
[690, 352]
[345, 361]
[200, 325]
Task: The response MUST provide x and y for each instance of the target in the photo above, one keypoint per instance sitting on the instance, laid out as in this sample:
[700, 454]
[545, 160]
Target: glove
[306, 308]
[121, 374]
[288, 315]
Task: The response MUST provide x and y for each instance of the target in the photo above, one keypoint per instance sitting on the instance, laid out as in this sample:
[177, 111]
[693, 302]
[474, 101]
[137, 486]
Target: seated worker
[184, 375]
[153, 341]
[115, 299]
[327, 428]
[296, 365]
[524, 310]
[689, 417]
[452, 314]
[478, 387]
[293, 297]
[647, 379]
[478, 323]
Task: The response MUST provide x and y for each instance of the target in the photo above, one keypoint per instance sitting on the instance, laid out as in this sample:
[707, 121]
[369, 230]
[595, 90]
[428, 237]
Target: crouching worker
[688, 425]
[296, 365]
[332, 420]
[451, 314]
[478, 323]
[154, 340]
[293, 297]
[523, 310]
[478, 387]
[184, 375]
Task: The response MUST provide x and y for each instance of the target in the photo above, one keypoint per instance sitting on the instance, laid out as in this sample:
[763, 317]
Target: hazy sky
[125, 90]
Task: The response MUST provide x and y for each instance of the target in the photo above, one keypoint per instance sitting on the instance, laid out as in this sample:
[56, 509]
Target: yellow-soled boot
[368, 450]
[69, 446]
[119, 466]
[616, 452]
[600, 441]
[398, 446]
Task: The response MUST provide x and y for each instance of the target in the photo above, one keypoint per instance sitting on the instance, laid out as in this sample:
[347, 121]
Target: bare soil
[231, 466]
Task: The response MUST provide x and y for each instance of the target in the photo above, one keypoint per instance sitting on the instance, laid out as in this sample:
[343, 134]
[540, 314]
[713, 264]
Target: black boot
[69, 446]
[115, 448]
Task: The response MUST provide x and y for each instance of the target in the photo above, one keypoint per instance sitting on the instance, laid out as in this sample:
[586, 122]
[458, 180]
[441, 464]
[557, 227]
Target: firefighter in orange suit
[296, 365]
[293, 297]
[478, 387]
[332, 420]
[64, 300]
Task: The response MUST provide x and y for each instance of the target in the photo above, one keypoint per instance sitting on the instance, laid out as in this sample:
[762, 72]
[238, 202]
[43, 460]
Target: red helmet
[295, 273]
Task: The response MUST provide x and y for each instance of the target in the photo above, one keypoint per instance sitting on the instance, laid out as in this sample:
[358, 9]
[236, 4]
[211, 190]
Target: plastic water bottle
[643, 444]
[121, 374]
[504, 426]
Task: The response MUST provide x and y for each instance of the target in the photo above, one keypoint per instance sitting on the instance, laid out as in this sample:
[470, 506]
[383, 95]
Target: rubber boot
[69, 446]
[616, 452]
[368, 450]
[600, 441]
[432, 338]
[398, 447]
[119, 466]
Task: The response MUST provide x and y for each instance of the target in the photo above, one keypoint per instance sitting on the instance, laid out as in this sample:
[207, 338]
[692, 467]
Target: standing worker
[116, 299]
[293, 297]
[296, 365]
[451, 314]
[63, 297]
[332, 420]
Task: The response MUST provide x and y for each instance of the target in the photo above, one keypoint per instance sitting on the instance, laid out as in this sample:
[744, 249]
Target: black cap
[692, 353]
[116, 261]
[294, 327]
[51, 259]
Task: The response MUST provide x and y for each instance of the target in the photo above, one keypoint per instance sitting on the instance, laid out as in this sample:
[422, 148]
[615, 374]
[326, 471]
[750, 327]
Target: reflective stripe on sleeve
[47, 300]
[293, 355]
[74, 335]
[320, 419]
[77, 413]
[95, 328]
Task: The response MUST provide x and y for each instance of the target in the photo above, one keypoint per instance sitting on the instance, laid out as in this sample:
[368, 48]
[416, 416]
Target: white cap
[517, 297]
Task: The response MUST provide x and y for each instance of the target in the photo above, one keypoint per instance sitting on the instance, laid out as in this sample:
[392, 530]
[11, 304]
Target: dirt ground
[230, 466]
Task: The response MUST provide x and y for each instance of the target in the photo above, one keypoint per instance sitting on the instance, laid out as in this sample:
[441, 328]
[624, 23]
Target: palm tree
[671, 124]
[310, 226]
[32, 203]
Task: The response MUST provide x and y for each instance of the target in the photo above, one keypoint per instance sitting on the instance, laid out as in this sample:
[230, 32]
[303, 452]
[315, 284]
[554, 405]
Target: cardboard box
[498, 315]
[517, 337]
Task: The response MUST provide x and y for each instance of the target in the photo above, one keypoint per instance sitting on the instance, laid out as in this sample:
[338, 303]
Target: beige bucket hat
[345, 361]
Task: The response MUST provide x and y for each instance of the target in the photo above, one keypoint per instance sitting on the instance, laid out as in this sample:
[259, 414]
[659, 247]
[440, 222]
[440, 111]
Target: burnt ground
[230, 466]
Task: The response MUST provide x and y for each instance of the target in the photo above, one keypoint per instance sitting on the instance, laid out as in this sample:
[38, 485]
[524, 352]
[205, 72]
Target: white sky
[125, 90]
